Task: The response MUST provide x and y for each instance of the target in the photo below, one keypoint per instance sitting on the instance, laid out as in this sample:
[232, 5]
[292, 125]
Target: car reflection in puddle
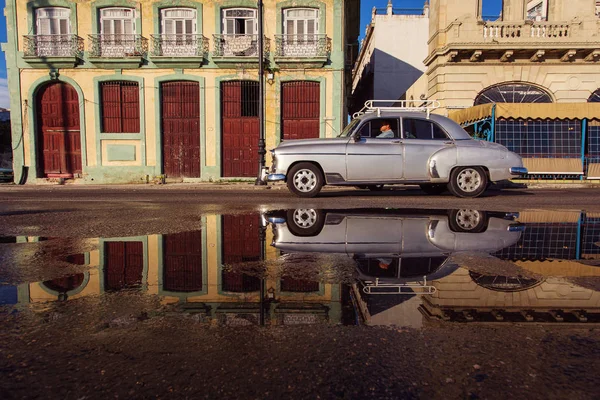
[365, 266]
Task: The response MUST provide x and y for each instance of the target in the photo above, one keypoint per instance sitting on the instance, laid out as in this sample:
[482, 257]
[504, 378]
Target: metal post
[262, 233]
[584, 126]
[261, 97]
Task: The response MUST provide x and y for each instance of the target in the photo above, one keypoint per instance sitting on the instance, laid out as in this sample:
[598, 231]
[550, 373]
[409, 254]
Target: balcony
[526, 32]
[117, 51]
[53, 51]
[231, 50]
[179, 51]
[302, 50]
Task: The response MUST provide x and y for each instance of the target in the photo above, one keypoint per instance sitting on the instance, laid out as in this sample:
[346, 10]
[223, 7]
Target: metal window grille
[593, 146]
[590, 243]
[544, 241]
[240, 99]
[513, 93]
[540, 138]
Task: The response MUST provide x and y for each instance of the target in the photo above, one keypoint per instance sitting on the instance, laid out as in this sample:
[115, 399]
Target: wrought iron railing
[299, 46]
[179, 45]
[238, 45]
[53, 46]
[115, 46]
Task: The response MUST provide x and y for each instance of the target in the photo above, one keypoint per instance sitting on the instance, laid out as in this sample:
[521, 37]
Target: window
[595, 97]
[301, 21]
[120, 107]
[372, 128]
[117, 21]
[422, 129]
[178, 21]
[537, 10]
[52, 21]
[240, 21]
[513, 93]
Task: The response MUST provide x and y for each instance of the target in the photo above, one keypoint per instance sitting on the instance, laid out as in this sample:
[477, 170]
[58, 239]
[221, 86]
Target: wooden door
[241, 244]
[59, 140]
[182, 254]
[301, 110]
[240, 130]
[180, 125]
[123, 266]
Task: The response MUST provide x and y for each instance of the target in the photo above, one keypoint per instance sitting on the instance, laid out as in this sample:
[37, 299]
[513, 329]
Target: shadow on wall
[389, 78]
[5, 145]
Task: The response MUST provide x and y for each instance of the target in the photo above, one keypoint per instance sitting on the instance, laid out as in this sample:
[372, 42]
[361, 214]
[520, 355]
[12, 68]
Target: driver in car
[386, 131]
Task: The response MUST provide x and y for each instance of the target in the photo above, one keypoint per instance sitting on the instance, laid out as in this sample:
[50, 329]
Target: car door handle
[448, 142]
[396, 141]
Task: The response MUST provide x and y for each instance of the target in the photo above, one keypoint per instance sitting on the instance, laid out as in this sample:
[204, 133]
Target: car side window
[422, 129]
[381, 128]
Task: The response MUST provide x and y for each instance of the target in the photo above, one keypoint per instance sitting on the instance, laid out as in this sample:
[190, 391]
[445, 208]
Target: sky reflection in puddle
[361, 266]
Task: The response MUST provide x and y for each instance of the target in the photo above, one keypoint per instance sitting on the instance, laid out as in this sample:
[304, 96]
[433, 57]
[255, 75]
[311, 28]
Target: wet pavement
[308, 303]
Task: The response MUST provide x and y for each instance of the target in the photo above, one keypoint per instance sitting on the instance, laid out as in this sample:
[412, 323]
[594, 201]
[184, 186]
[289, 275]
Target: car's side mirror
[356, 136]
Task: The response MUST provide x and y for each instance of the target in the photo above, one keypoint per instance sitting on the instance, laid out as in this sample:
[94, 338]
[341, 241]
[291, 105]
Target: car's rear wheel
[468, 181]
[305, 180]
[433, 189]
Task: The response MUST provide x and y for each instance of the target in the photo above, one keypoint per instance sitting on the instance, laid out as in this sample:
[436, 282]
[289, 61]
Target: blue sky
[491, 7]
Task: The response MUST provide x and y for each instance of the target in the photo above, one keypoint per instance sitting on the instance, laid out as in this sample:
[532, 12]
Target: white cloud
[4, 97]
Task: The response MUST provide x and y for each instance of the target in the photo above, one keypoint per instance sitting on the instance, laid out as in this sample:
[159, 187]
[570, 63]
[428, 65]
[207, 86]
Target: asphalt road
[145, 209]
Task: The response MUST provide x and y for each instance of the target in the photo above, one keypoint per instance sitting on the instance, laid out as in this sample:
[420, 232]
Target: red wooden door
[239, 124]
[182, 254]
[241, 243]
[124, 265]
[301, 110]
[59, 139]
[180, 125]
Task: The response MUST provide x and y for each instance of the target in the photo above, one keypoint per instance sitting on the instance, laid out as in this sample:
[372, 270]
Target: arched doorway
[514, 92]
[58, 131]
[180, 126]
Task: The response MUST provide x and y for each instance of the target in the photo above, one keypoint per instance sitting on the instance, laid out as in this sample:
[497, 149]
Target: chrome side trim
[518, 171]
[275, 177]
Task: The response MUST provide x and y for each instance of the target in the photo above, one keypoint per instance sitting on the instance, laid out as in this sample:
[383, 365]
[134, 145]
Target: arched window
[513, 93]
[595, 97]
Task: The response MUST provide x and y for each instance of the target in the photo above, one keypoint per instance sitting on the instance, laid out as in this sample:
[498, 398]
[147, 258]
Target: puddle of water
[362, 266]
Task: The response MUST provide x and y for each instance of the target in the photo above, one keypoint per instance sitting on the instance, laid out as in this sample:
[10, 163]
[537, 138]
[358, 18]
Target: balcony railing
[117, 46]
[526, 32]
[53, 46]
[179, 45]
[238, 45]
[300, 46]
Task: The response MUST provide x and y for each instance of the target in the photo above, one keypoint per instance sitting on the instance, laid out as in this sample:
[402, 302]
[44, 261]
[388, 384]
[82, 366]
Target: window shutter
[168, 27]
[64, 27]
[130, 107]
[120, 107]
[229, 26]
[310, 27]
[111, 110]
[189, 27]
[43, 26]
[179, 27]
[128, 26]
[289, 27]
[250, 26]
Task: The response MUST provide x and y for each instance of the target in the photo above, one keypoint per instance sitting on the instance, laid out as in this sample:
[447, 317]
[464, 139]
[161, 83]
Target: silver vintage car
[395, 145]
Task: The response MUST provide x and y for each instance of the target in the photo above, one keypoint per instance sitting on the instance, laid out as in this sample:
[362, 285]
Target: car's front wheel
[468, 182]
[305, 180]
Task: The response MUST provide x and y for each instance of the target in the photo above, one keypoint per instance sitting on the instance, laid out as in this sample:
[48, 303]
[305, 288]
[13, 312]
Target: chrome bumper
[518, 171]
[275, 177]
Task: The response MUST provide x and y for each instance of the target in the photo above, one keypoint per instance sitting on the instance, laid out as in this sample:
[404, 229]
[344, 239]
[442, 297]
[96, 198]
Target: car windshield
[348, 130]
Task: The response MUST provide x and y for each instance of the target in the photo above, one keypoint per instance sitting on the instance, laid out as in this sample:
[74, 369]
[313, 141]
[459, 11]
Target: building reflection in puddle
[403, 273]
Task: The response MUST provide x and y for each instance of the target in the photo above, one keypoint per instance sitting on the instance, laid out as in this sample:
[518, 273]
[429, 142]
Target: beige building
[546, 52]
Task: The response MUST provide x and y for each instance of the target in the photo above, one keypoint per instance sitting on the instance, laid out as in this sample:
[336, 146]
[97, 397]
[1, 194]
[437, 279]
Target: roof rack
[398, 105]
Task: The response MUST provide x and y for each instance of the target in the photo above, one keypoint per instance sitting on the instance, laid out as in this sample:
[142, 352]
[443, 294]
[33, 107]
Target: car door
[421, 138]
[373, 159]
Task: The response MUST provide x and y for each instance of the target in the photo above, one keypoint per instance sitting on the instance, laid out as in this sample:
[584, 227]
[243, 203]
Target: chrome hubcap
[468, 219]
[305, 217]
[305, 180]
[469, 180]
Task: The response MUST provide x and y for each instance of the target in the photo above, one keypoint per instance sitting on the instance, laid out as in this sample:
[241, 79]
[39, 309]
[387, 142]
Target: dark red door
[301, 110]
[241, 244]
[239, 124]
[124, 265]
[182, 254]
[180, 125]
[59, 140]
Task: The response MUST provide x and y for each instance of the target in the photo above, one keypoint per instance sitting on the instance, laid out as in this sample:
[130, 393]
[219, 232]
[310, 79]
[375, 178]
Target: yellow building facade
[125, 91]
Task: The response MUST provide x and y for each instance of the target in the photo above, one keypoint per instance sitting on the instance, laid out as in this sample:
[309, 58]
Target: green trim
[156, 7]
[282, 5]
[219, 7]
[279, 80]
[98, 4]
[32, 5]
[117, 62]
[161, 266]
[337, 125]
[102, 241]
[23, 295]
[77, 290]
[157, 117]
[320, 292]
[216, 172]
[52, 63]
[120, 152]
[338, 42]
[32, 120]
[14, 89]
[124, 136]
